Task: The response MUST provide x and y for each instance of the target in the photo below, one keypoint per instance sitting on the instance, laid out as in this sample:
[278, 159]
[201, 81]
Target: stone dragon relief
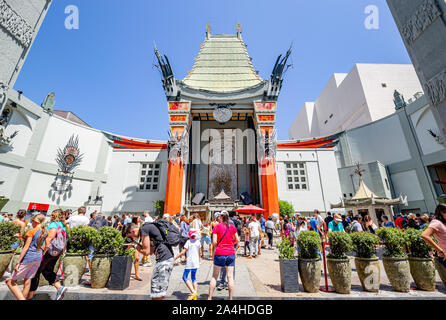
[178, 147]
[15, 24]
[425, 15]
[436, 88]
[266, 145]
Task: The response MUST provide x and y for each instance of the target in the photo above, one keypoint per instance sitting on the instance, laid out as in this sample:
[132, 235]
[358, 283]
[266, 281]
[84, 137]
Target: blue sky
[104, 71]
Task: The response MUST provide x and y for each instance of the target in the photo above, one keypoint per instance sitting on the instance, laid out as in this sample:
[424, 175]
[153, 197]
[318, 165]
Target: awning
[38, 206]
[250, 209]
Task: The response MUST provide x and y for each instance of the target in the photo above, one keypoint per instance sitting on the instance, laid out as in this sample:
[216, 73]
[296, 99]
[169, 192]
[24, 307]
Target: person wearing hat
[192, 249]
[335, 224]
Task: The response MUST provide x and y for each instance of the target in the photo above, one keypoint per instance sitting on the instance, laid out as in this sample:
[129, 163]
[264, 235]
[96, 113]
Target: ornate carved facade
[15, 24]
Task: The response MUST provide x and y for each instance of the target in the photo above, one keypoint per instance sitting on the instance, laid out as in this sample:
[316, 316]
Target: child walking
[29, 259]
[192, 249]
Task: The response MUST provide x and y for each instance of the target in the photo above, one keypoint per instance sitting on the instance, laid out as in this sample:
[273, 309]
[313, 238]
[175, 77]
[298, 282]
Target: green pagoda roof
[222, 65]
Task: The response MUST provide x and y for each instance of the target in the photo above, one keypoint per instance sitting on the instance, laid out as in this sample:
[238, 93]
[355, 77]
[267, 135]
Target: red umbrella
[250, 209]
[440, 181]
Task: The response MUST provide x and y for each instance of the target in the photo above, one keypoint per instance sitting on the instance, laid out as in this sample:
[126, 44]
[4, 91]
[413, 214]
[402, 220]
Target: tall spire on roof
[239, 30]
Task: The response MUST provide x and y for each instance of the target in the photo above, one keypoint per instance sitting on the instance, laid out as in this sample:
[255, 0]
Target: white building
[350, 100]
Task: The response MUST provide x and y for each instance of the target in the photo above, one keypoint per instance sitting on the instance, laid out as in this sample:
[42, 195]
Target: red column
[174, 188]
[270, 195]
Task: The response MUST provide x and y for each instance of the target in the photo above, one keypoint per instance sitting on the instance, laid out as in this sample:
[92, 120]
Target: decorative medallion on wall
[68, 159]
[15, 24]
[222, 114]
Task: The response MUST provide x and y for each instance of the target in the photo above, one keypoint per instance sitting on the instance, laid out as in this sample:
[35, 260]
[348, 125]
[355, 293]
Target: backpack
[349, 227]
[170, 233]
[58, 244]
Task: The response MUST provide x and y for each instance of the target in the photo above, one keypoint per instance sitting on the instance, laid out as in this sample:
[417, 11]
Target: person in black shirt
[153, 243]
[328, 219]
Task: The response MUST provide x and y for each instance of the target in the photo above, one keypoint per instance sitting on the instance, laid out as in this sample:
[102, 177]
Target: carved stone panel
[425, 15]
[436, 88]
[17, 26]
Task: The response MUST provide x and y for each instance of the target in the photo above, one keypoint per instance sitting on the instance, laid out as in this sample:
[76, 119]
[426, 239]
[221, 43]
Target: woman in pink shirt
[224, 238]
[437, 228]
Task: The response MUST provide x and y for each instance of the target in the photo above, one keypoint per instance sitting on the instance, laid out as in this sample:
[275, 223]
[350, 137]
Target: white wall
[400, 77]
[8, 174]
[39, 190]
[57, 135]
[423, 120]
[302, 124]
[357, 98]
[382, 140]
[407, 184]
[24, 122]
[310, 199]
[122, 186]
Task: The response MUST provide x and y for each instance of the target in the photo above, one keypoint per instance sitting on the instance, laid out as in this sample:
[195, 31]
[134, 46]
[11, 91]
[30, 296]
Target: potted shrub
[366, 261]
[121, 269]
[395, 260]
[107, 242]
[8, 231]
[75, 258]
[289, 269]
[421, 265]
[309, 261]
[338, 263]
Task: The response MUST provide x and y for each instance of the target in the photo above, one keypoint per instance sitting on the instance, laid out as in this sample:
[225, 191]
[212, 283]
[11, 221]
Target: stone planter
[369, 273]
[423, 273]
[289, 275]
[100, 270]
[5, 259]
[42, 280]
[310, 274]
[398, 273]
[441, 270]
[74, 265]
[340, 274]
[120, 273]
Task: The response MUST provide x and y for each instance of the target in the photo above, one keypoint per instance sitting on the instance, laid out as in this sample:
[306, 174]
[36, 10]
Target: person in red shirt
[398, 221]
[224, 239]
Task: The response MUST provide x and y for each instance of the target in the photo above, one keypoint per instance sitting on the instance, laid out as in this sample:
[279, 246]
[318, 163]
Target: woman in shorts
[29, 259]
[224, 237]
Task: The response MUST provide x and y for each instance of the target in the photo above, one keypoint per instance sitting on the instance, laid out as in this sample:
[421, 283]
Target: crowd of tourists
[219, 240]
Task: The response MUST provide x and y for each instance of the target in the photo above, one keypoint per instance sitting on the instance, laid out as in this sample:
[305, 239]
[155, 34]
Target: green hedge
[416, 246]
[79, 239]
[394, 241]
[340, 244]
[364, 244]
[309, 244]
[8, 231]
[286, 249]
[107, 241]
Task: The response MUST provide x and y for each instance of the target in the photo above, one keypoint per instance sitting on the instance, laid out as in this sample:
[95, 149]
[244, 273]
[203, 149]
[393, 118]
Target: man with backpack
[158, 238]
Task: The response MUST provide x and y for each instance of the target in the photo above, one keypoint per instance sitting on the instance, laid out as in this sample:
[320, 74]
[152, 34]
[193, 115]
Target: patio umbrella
[250, 209]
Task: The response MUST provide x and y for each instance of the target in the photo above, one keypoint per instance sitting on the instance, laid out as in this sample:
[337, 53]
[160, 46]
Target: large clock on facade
[222, 114]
